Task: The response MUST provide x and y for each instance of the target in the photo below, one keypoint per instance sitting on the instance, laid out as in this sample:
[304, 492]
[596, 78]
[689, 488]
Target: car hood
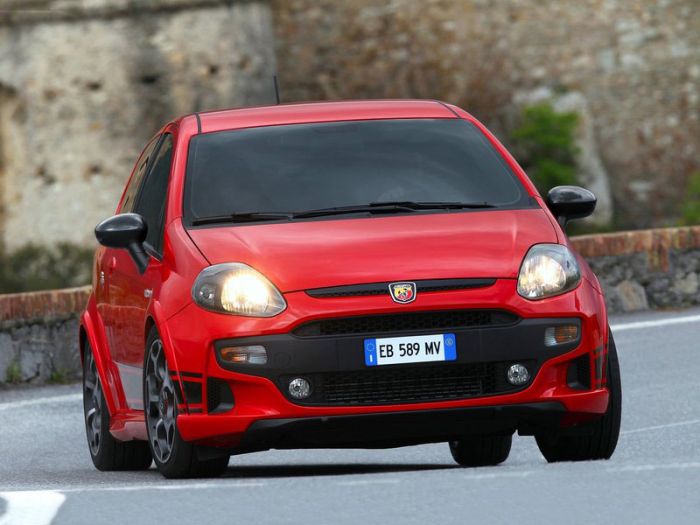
[321, 253]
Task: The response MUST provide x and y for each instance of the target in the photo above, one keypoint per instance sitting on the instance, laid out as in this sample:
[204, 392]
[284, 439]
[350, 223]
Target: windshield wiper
[362, 208]
[392, 207]
[434, 205]
[244, 217]
[373, 207]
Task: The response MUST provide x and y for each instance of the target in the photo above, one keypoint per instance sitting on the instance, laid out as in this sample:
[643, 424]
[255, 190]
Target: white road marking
[38, 507]
[68, 398]
[661, 466]
[659, 427]
[182, 486]
[621, 327]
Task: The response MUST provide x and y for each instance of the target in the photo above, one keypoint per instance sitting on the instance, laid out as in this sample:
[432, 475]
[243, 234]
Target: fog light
[558, 335]
[252, 355]
[518, 375]
[299, 388]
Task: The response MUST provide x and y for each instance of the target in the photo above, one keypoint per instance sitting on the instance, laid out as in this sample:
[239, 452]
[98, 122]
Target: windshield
[301, 167]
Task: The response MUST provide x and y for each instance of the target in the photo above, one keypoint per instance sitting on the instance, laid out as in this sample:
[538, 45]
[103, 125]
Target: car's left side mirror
[570, 202]
[127, 231]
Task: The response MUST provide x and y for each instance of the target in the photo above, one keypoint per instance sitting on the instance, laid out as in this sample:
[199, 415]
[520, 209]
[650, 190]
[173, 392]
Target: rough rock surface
[636, 63]
[84, 84]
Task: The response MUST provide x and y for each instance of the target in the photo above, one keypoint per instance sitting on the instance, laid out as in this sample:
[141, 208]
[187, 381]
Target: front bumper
[334, 364]
[263, 412]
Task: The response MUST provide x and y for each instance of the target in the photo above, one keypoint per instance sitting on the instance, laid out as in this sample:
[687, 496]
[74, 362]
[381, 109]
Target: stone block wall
[85, 84]
[635, 65]
[39, 336]
[646, 269]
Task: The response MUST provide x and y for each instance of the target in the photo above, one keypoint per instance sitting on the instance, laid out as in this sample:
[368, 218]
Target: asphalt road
[654, 476]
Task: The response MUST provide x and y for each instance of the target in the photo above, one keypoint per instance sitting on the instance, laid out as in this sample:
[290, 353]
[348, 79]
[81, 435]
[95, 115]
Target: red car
[349, 274]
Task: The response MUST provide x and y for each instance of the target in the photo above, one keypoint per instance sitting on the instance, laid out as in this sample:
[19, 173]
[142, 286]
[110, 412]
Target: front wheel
[174, 457]
[107, 453]
[599, 439]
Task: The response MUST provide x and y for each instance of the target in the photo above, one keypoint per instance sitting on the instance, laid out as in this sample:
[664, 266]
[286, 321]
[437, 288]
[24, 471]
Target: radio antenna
[277, 89]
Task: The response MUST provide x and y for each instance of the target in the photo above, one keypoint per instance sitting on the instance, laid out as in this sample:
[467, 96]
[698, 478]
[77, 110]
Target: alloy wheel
[92, 402]
[161, 403]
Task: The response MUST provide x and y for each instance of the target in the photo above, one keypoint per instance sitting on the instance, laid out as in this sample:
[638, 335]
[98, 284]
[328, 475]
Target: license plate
[410, 349]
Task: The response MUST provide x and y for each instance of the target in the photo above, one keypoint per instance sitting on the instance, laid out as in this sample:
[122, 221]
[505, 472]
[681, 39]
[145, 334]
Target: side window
[137, 177]
[150, 202]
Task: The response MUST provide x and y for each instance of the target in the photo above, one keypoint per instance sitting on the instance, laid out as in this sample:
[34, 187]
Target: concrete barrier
[638, 270]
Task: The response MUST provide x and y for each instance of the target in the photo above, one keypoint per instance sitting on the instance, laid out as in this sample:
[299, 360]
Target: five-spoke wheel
[106, 452]
[161, 406]
[174, 457]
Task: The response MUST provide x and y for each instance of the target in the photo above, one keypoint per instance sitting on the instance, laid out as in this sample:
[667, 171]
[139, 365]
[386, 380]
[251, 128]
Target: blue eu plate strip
[450, 347]
[371, 352]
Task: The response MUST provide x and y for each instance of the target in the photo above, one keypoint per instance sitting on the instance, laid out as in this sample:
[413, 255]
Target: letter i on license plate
[410, 349]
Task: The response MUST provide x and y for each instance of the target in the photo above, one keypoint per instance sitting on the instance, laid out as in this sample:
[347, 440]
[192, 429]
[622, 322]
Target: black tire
[174, 457]
[599, 439]
[106, 451]
[481, 451]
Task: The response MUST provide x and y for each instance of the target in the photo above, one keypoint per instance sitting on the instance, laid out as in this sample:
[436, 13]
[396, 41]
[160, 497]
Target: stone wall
[646, 269]
[634, 63]
[39, 336]
[638, 270]
[84, 84]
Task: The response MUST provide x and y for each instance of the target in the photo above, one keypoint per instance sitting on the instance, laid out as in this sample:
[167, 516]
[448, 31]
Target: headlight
[235, 288]
[547, 270]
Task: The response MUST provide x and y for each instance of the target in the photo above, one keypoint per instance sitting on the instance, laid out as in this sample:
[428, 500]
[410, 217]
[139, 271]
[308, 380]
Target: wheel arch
[156, 318]
[91, 332]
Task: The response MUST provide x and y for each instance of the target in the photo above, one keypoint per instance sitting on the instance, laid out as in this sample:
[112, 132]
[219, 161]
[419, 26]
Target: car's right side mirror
[127, 231]
[570, 202]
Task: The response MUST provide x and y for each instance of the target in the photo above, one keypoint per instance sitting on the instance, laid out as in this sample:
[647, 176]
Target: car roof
[220, 120]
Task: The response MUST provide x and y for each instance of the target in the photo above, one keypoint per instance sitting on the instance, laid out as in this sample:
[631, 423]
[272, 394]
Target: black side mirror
[570, 202]
[128, 231]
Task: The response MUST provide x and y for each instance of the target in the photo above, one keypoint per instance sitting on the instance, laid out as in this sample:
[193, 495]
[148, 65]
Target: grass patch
[13, 374]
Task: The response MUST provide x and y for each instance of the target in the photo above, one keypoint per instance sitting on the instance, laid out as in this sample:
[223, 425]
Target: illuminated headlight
[235, 288]
[547, 270]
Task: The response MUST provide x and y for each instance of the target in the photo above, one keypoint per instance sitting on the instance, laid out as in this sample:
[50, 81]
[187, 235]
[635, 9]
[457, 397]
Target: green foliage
[59, 376]
[690, 209]
[547, 142]
[35, 267]
[13, 374]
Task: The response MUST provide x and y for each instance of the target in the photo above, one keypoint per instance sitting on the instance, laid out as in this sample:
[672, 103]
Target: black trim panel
[395, 429]
[317, 357]
[432, 285]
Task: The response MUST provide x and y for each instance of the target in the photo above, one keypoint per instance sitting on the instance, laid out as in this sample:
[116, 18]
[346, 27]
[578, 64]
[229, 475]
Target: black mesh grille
[405, 322]
[219, 396]
[379, 386]
[579, 373]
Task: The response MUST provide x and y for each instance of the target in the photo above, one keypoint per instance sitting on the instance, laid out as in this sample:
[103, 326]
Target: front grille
[394, 385]
[405, 322]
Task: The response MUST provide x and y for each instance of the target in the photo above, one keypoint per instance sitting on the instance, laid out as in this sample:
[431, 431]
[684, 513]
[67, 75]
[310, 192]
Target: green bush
[33, 268]
[13, 374]
[546, 141]
[690, 209]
